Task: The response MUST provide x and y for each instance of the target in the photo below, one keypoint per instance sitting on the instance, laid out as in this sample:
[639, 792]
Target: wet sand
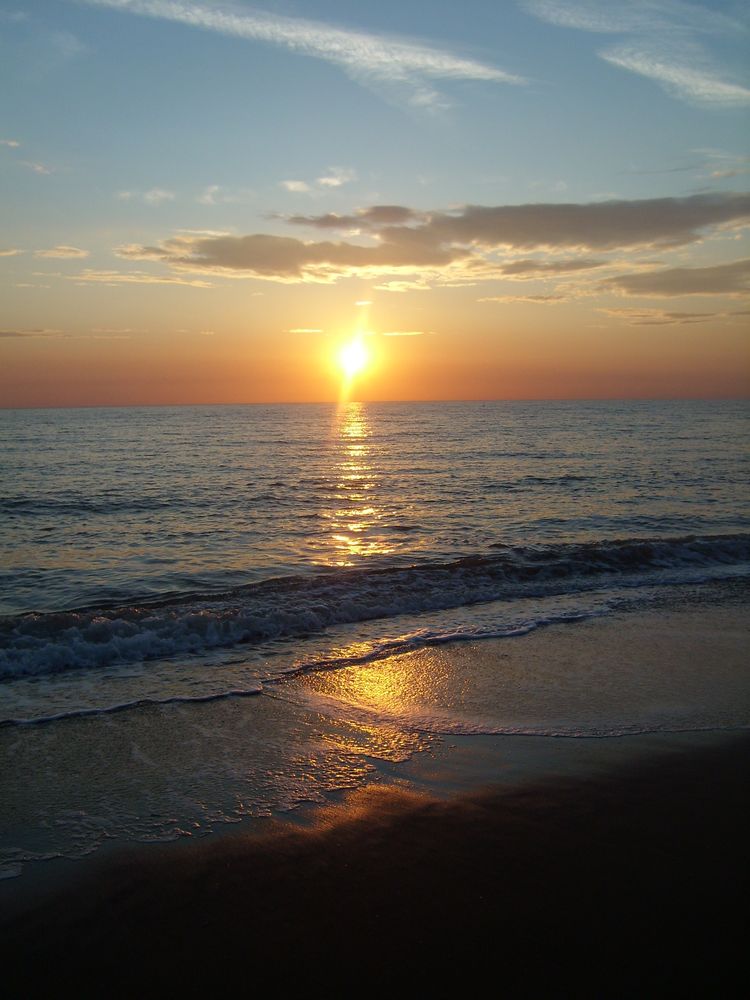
[612, 886]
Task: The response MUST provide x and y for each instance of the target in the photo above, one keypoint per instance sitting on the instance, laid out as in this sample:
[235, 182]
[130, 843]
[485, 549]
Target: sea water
[171, 576]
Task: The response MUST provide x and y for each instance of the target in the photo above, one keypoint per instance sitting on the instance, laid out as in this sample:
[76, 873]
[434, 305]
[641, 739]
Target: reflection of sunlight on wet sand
[357, 737]
[395, 689]
[354, 518]
[629, 673]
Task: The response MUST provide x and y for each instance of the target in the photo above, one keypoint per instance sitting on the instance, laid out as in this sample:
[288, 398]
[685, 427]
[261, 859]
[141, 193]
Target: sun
[353, 358]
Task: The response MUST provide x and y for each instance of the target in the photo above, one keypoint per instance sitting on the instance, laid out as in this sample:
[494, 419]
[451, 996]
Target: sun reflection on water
[355, 530]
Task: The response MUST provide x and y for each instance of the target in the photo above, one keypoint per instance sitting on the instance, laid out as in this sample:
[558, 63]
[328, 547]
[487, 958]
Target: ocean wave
[354, 655]
[90, 638]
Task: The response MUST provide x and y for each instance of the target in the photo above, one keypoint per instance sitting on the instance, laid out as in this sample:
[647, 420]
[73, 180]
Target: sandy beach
[574, 866]
[616, 886]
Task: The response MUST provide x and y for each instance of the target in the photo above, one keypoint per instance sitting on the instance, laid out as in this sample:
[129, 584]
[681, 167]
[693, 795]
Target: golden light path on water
[355, 516]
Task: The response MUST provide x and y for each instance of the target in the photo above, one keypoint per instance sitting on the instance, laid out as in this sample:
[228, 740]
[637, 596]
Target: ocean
[176, 581]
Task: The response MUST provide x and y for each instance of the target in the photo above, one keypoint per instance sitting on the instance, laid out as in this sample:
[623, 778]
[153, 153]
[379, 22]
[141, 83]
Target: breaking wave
[41, 643]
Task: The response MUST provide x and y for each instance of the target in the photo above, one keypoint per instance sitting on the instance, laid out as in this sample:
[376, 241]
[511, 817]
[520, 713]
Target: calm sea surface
[164, 558]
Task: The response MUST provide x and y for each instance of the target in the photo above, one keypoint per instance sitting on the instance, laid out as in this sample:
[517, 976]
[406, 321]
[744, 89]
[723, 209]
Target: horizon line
[380, 402]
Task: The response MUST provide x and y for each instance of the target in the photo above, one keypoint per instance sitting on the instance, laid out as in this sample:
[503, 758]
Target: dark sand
[625, 884]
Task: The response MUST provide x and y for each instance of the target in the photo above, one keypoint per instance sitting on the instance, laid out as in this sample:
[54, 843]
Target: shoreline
[595, 865]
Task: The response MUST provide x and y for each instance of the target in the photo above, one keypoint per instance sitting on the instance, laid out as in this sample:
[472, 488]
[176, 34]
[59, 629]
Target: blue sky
[144, 142]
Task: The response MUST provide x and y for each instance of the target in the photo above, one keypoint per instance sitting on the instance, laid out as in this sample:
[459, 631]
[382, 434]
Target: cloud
[723, 174]
[133, 278]
[603, 225]
[403, 286]
[720, 279]
[636, 17]
[405, 333]
[116, 331]
[11, 334]
[525, 269]
[661, 317]
[157, 195]
[668, 42]
[538, 299]
[154, 196]
[701, 86]
[305, 329]
[215, 194]
[10, 252]
[297, 187]
[336, 176]
[209, 196]
[62, 252]
[283, 257]
[365, 218]
[367, 58]
[460, 246]
[12, 143]
[37, 168]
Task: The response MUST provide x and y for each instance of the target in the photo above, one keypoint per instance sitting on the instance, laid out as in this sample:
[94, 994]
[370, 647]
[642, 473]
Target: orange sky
[550, 197]
[535, 363]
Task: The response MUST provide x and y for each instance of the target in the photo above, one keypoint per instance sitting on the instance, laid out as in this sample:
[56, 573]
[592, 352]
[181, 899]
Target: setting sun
[353, 358]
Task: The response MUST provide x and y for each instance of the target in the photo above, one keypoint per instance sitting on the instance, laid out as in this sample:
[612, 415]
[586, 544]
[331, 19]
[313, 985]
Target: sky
[204, 202]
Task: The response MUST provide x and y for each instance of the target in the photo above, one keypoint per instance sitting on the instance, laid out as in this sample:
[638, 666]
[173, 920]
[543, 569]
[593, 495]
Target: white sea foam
[92, 639]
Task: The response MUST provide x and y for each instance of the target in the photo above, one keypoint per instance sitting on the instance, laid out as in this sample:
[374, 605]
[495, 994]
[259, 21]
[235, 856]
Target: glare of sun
[353, 357]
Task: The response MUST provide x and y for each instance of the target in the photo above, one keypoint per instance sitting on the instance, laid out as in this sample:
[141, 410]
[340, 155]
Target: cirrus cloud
[62, 253]
[668, 41]
[402, 66]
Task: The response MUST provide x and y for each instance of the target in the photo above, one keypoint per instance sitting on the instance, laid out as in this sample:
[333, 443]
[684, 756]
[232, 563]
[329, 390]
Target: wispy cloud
[10, 252]
[662, 317]
[40, 332]
[553, 299]
[404, 286]
[699, 85]
[668, 41]
[37, 168]
[405, 333]
[644, 17]
[115, 330]
[157, 195]
[367, 58]
[154, 196]
[336, 177]
[134, 278]
[12, 143]
[215, 194]
[305, 329]
[62, 252]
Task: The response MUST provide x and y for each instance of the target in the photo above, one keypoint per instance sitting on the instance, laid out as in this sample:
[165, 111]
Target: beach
[578, 865]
